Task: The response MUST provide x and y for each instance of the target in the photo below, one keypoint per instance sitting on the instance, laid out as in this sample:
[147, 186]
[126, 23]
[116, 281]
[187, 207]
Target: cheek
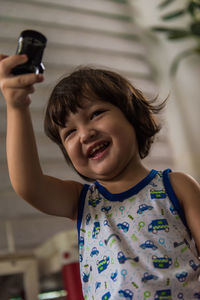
[73, 151]
[123, 131]
[69, 149]
[127, 137]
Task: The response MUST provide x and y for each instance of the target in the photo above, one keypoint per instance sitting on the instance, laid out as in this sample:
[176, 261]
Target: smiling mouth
[96, 151]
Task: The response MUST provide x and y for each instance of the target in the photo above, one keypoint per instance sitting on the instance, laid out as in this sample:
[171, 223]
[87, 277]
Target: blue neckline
[130, 192]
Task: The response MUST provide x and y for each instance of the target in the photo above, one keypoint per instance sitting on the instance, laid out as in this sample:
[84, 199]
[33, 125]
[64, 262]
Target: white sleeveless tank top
[136, 244]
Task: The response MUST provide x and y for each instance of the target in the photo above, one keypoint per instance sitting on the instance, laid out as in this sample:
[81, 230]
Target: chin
[103, 172]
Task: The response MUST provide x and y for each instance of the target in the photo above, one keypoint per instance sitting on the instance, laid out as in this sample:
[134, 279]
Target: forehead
[83, 111]
[85, 107]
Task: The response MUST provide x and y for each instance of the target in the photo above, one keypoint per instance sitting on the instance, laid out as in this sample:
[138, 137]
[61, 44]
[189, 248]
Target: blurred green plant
[191, 30]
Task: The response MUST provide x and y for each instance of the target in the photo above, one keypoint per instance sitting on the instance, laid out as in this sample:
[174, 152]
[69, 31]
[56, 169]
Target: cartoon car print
[103, 264]
[127, 294]
[148, 277]
[148, 244]
[182, 276]
[106, 209]
[196, 295]
[158, 224]
[157, 194]
[144, 207]
[161, 262]
[94, 202]
[123, 226]
[96, 230]
[163, 295]
[81, 241]
[122, 258]
[106, 296]
[193, 265]
[94, 251]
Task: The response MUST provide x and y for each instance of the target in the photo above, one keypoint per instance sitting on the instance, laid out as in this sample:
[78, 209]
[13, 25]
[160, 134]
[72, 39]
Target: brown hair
[105, 85]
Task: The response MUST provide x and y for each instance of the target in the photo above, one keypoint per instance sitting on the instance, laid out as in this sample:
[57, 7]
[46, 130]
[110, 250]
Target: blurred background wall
[183, 109]
[110, 34]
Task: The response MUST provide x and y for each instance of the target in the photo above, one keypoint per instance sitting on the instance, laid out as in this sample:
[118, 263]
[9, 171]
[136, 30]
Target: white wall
[184, 105]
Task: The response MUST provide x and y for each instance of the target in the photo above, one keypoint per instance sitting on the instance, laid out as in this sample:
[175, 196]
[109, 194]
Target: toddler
[138, 228]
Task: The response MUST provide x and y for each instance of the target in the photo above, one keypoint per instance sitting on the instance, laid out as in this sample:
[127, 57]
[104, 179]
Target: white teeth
[98, 147]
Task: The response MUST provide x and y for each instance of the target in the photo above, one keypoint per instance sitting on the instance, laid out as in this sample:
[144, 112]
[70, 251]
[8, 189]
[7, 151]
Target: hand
[16, 89]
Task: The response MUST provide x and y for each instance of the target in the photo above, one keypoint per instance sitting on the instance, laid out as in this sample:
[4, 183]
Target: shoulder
[184, 186]
[76, 187]
[75, 184]
[183, 181]
[187, 189]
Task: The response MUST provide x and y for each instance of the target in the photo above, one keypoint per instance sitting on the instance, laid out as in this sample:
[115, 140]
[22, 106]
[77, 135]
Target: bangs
[71, 92]
[63, 101]
[61, 109]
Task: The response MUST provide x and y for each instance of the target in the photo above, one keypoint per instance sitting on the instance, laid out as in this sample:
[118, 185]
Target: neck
[126, 179]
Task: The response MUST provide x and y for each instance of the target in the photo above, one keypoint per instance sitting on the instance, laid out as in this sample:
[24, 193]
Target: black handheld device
[32, 43]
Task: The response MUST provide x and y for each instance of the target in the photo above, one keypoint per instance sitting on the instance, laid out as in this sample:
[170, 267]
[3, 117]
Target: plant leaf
[193, 7]
[165, 3]
[165, 29]
[172, 33]
[197, 2]
[179, 34]
[161, 29]
[195, 28]
[173, 15]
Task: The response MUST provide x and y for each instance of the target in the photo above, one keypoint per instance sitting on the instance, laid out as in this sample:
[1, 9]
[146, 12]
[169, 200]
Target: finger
[30, 89]
[2, 56]
[19, 97]
[22, 92]
[8, 63]
[21, 81]
[19, 94]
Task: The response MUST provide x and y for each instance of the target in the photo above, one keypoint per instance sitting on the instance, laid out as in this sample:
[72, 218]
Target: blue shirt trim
[81, 207]
[172, 196]
[130, 192]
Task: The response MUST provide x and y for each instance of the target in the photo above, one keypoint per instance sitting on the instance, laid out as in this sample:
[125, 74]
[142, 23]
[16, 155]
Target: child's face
[99, 140]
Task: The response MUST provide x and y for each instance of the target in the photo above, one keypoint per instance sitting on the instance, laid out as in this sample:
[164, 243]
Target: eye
[96, 113]
[68, 133]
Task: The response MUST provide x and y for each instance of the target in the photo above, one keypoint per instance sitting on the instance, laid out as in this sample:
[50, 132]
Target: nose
[87, 135]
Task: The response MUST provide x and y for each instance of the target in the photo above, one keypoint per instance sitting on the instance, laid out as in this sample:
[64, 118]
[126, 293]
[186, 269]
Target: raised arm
[187, 190]
[48, 194]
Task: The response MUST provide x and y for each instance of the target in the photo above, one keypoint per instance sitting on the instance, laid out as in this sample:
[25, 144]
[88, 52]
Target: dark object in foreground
[32, 43]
